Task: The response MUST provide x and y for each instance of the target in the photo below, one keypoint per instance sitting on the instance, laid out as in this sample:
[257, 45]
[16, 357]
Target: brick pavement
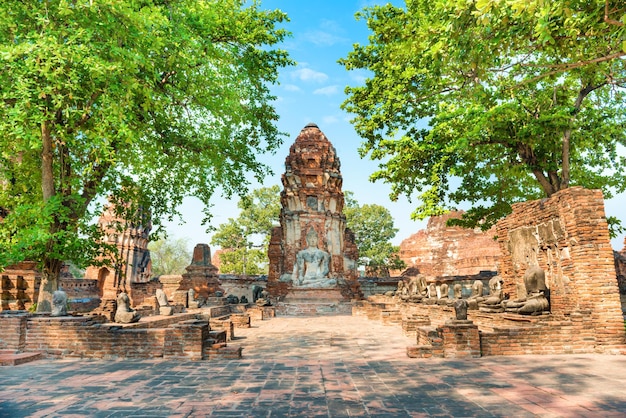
[333, 366]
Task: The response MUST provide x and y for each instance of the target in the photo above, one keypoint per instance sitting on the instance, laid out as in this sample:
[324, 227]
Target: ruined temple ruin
[556, 289]
[312, 254]
[132, 264]
[442, 250]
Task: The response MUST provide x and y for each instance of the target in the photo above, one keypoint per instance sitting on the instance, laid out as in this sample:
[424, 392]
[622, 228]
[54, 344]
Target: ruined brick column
[133, 257]
[312, 231]
[201, 275]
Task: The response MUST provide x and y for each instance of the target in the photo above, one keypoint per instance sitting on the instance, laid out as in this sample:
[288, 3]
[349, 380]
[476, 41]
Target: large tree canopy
[169, 97]
[491, 102]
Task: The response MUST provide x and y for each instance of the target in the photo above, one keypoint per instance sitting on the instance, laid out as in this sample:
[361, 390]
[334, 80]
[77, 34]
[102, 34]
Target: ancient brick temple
[201, 276]
[567, 236]
[132, 264]
[312, 254]
[441, 250]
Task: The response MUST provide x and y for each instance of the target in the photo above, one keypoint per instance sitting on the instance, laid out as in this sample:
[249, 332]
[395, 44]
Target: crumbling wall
[568, 237]
[441, 250]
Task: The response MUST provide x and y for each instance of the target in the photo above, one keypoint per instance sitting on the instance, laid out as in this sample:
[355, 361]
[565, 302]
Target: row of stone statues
[124, 314]
[533, 302]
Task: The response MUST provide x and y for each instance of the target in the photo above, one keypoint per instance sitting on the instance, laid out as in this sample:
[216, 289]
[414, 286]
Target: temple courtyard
[330, 366]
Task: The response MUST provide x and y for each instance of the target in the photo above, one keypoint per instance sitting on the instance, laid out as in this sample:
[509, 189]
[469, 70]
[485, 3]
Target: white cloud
[322, 38]
[329, 34]
[291, 87]
[329, 119]
[327, 91]
[307, 74]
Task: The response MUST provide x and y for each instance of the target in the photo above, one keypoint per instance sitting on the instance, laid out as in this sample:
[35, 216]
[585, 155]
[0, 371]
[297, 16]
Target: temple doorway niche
[104, 274]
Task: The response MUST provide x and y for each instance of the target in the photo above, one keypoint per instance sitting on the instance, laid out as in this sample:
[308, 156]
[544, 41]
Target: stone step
[221, 351]
[15, 359]
[218, 335]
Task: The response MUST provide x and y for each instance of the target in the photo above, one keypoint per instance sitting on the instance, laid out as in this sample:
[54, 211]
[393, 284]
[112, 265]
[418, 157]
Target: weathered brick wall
[144, 293]
[460, 339]
[441, 250]
[88, 337]
[13, 332]
[567, 236]
[19, 286]
[500, 334]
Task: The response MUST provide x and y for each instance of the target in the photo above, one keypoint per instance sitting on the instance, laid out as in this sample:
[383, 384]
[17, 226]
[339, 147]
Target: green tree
[587, 32]
[169, 97]
[169, 256]
[373, 230]
[491, 102]
[244, 240]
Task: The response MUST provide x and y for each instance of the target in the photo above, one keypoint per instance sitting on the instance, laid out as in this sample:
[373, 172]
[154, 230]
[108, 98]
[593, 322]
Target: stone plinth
[296, 295]
[460, 339]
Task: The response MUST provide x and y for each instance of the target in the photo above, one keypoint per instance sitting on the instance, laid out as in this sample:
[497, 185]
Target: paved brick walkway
[319, 367]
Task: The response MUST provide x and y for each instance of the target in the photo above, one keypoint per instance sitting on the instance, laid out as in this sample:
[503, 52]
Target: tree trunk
[51, 267]
[49, 283]
[565, 173]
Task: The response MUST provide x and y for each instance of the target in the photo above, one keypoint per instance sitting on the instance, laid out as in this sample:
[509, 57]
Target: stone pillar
[460, 338]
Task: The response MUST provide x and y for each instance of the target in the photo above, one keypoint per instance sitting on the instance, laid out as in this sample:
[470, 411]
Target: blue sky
[324, 31]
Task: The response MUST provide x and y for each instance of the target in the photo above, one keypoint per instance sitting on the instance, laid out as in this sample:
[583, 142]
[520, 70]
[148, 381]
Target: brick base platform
[492, 334]
[313, 308]
[181, 336]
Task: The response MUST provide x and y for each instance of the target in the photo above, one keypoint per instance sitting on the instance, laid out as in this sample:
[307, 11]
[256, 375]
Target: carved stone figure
[264, 300]
[458, 291]
[192, 302]
[256, 292]
[59, 303]
[418, 289]
[161, 297]
[232, 299]
[401, 290]
[460, 309]
[124, 314]
[311, 267]
[164, 306]
[493, 302]
[535, 302]
[444, 294]
[476, 296]
[431, 295]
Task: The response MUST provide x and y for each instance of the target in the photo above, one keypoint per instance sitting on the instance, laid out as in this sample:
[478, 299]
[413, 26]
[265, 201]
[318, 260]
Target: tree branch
[607, 19]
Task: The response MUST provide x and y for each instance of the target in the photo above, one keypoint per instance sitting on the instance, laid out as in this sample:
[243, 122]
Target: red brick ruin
[442, 250]
[567, 236]
[312, 257]
[312, 232]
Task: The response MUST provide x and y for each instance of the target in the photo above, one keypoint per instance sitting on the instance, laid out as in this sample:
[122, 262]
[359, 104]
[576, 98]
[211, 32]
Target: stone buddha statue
[312, 265]
[124, 314]
[535, 302]
[492, 303]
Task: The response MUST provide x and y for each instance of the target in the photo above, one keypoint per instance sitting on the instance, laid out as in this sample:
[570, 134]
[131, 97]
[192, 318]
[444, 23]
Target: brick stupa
[312, 254]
